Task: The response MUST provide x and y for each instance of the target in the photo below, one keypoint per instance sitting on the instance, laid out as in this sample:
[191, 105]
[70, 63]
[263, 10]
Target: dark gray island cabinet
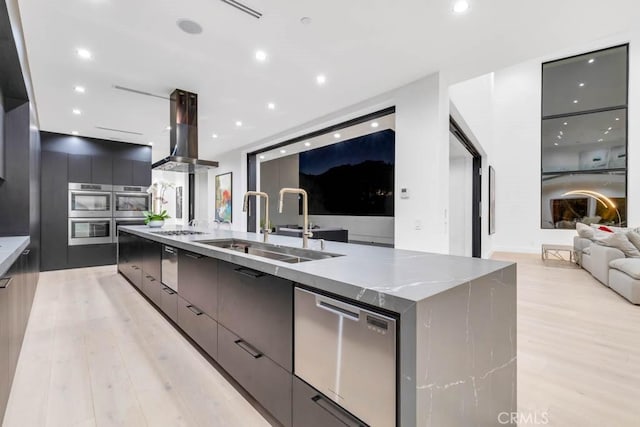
[455, 323]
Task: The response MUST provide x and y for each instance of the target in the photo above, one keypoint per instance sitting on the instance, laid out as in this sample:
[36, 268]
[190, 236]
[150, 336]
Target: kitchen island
[455, 317]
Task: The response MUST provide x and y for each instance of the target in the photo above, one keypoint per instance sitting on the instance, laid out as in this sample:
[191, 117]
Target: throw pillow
[621, 242]
[585, 231]
[634, 237]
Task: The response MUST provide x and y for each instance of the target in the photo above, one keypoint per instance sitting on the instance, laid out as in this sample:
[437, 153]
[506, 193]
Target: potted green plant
[155, 220]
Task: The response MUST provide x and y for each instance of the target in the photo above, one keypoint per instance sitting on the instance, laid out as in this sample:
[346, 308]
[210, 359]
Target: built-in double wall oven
[90, 214]
[96, 211]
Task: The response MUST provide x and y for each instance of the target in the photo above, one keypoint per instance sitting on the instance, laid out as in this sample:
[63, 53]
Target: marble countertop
[392, 279]
[10, 250]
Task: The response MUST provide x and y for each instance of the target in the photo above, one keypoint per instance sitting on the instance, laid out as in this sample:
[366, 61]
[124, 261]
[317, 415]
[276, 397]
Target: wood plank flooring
[97, 354]
[578, 348]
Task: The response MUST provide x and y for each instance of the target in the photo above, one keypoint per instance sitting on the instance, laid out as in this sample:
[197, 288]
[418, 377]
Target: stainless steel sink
[274, 252]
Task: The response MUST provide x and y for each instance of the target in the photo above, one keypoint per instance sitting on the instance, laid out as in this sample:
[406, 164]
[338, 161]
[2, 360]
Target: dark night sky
[375, 146]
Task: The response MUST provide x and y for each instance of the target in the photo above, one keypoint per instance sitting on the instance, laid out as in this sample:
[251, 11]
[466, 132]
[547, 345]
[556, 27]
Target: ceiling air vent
[119, 130]
[243, 8]
[140, 92]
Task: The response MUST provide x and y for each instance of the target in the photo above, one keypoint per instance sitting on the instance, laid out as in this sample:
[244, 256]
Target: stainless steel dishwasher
[347, 353]
[170, 267]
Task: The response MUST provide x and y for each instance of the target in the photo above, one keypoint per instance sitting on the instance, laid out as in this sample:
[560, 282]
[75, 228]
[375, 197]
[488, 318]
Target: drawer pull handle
[248, 348]
[169, 291]
[26, 252]
[337, 412]
[194, 256]
[249, 273]
[169, 249]
[194, 310]
[5, 282]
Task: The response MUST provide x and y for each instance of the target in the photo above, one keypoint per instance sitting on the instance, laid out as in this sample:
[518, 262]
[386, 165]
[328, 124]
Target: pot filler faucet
[305, 213]
[266, 230]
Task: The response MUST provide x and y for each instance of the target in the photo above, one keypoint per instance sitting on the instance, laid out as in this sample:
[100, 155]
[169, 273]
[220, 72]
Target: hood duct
[183, 138]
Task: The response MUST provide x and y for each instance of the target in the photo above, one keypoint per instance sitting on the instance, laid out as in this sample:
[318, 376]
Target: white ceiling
[364, 47]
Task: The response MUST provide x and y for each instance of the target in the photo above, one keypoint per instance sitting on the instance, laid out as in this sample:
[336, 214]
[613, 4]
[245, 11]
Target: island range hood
[183, 155]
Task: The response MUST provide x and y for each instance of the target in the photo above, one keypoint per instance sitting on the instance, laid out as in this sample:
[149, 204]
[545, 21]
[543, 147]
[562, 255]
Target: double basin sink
[277, 253]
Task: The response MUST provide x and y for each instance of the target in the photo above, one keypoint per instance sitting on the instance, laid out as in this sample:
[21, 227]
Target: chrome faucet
[266, 230]
[305, 212]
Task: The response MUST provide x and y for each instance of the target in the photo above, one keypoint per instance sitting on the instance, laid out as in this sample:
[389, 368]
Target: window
[584, 139]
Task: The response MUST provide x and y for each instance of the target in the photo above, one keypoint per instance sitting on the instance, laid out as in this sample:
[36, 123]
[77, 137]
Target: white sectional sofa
[610, 266]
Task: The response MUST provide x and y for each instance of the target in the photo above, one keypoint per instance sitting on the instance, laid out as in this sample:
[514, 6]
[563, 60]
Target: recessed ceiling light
[150, 142]
[461, 6]
[214, 136]
[74, 132]
[79, 89]
[617, 118]
[374, 125]
[84, 53]
[167, 128]
[592, 60]
[283, 151]
[565, 123]
[559, 137]
[321, 79]
[610, 128]
[261, 55]
[305, 20]
[555, 143]
[581, 84]
[189, 26]
[307, 144]
[600, 140]
[336, 135]
[606, 132]
[561, 133]
[271, 106]
[261, 157]
[575, 101]
[238, 123]
[76, 111]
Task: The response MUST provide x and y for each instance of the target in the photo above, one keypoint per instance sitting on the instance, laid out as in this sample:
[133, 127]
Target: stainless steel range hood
[184, 136]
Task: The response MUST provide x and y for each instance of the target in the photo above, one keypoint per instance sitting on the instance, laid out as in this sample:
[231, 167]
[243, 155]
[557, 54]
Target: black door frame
[476, 245]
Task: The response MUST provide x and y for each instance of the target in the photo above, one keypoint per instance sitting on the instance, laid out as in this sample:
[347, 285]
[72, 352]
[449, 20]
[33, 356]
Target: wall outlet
[418, 224]
[404, 193]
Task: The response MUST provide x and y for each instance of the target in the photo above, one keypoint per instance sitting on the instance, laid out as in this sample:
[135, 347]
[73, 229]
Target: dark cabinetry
[130, 258]
[68, 159]
[200, 327]
[312, 409]
[131, 172]
[198, 299]
[17, 289]
[259, 375]
[151, 269]
[198, 281]
[258, 307]
[94, 169]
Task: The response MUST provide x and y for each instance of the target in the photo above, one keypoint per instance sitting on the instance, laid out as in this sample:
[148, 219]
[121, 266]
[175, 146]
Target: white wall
[472, 108]
[422, 156]
[517, 130]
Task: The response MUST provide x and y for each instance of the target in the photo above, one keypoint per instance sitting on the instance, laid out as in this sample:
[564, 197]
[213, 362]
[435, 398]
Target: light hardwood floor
[96, 353]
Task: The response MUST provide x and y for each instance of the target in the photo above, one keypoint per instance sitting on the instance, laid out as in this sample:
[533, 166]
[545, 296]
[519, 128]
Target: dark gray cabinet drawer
[198, 281]
[312, 409]
[151, 288]
[257, 307]
[200, 327]
[260, 376]
[168, 302]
